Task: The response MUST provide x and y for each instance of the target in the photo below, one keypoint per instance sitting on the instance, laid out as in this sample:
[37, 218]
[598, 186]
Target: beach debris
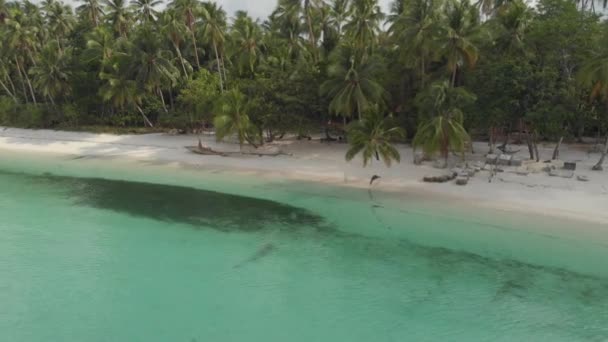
[491, 158]
[462, 180]
[516, 162]
[582, 178]
[570, 166]
[561, 173]
[175, 131]
[522, 171]
[439, 179]
[272, 151]
[419, 158]
[504, 159]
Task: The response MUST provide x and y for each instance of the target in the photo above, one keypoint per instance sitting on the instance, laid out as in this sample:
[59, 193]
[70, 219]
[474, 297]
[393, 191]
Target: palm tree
[339, 13]
[233, 118]
[456, 43]
[594, 74]
[415, 30]
[372, 136]
[145, 9]
[246, 36]
[61, 22]
[100, 47]
[364, 24]
[351, 85]
[92, 10]
[443, 128]
[22, 40]
[189, 10]
[174, 29]
[121, 92]
[213, 29]
[51, 75]
[118, 16]
[151, 64]
[512, 24]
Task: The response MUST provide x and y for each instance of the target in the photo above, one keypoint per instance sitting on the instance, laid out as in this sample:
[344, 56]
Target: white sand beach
[324, 162]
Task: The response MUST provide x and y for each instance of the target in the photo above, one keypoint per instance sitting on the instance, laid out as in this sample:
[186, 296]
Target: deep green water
[99, 250]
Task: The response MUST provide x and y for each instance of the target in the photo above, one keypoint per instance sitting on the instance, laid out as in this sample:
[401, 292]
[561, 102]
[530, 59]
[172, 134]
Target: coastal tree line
[433, 71]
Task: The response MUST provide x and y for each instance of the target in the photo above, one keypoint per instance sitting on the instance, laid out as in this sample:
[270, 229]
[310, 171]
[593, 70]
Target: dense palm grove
[439, 70]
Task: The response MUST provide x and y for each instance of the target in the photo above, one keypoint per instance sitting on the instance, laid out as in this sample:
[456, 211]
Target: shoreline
[323, 163]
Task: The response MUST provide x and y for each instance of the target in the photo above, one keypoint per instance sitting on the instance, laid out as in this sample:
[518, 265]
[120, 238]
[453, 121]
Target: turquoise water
[101, 250]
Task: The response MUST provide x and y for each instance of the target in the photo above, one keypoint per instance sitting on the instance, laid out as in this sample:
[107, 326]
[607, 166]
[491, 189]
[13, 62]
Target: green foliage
[373, 136]
[128, 64]
[232, 118]
[196, 100]
[442, 126]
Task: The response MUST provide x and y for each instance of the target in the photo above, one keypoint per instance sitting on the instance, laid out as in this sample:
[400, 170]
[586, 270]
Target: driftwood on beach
[205, 150]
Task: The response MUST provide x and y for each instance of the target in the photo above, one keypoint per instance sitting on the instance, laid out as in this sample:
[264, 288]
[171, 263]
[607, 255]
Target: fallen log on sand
[273, 151]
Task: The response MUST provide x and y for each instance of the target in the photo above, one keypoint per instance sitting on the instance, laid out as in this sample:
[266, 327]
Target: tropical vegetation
[442, 70]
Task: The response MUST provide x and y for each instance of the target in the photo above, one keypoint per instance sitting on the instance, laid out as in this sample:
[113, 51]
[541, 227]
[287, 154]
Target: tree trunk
[536, 146]
[29, 83]
[311, 33]
[491, 142]
[530, 146]
[198, 64]
[598, 166]
[556, 151]
[162, 99]
[9, 92]
[22, 80]
[219, 67]
[224, 70]
[181, 59]
[146, 120]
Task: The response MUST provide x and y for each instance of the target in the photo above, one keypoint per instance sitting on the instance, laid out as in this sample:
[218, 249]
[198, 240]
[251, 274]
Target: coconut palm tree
[233, 118]
[174, 29]
[100, 47]
[364, 24]
[61, 22]
[122, 92]
[372, 136]
[442, 130]
[246, 36]
[52, 74]
[414, 31]
[144, 10]
[213, 30]
[351, 86]
[151, 64]
[92, 9]
[456, 42]
[118, 16]
[22, 40]
[594, 75]
[189, 10]
[512, 23]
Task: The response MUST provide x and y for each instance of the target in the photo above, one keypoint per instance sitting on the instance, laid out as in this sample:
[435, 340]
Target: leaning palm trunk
[162, 99]
[599, 165]
[9, 92]
[29, 83]
[198, 63]
[22, 79]
[556, 151]
[181, 59]
[146, 120]
[219, 66]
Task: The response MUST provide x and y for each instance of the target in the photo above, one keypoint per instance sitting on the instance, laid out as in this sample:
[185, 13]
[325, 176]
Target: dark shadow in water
[180, 204]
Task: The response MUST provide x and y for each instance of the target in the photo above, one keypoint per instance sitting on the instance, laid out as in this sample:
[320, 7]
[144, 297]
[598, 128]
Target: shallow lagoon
[107, 250]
